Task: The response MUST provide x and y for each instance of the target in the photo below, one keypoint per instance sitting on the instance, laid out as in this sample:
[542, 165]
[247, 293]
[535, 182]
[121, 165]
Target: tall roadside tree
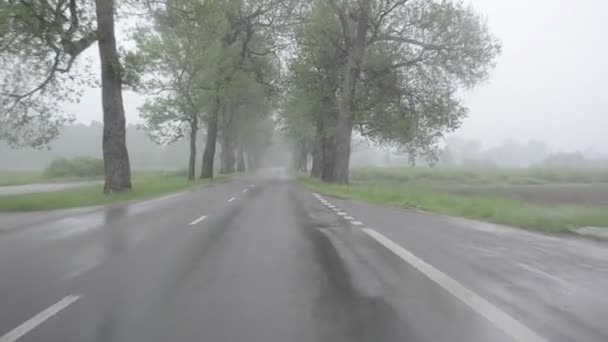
[169, 65]
[298, 119]
[403, 63]
[246, 100]
[354, 20]
[40, 42]
[315, 76]
[243, 51]
[115, 156]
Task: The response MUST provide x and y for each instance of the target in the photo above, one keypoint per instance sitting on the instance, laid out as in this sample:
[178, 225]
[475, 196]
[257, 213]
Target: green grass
[495, 176]
[145, 185]
[9, 178]
[547, 218]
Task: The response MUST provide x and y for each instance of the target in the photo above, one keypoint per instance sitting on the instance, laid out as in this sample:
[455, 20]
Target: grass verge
[553, 218]
[8, 178]
[146, 185]
[479, 176]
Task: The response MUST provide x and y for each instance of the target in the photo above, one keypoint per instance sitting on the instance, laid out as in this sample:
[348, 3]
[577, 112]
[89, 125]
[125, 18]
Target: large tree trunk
[317, 158]
[240, 165]
[342, 150]
[317, 151]
[300, 157]
[328, 136]
[192, 161]
[345, 122]
[228, 160]
[227, 142]
[303, 157]
[209, 153]
[115, 156]
[252, 162]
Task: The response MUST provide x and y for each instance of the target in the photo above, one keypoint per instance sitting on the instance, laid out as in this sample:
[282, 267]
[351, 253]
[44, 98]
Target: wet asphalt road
[271, 262]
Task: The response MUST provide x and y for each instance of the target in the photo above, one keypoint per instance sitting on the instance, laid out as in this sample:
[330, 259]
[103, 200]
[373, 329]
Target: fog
[85, 140]
[546, 87]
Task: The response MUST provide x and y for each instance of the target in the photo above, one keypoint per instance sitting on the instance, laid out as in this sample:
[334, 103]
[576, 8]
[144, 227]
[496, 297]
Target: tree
[167, 65]
[298, 116]
[208, 61]
[402, 63]
[243, 51]
[115, 155]
[311, 104]
[168, 120]
[354, 24]
[40, 42]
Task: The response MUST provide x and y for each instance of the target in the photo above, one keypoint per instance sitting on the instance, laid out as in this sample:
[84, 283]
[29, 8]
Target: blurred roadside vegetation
[549, 200]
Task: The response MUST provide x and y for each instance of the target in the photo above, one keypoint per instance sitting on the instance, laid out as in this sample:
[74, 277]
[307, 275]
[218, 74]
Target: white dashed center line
[231, 199]
[35, 321]
[245, 190]
[511, 326]
[198, 220]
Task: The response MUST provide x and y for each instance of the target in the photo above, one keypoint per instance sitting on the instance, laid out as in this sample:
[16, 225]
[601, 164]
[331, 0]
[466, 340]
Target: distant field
[545, 186]
[530, 176]
[543, 199]
[145, 185]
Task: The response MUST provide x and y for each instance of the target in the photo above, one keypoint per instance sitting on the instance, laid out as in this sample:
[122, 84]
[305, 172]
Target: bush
[75, 167]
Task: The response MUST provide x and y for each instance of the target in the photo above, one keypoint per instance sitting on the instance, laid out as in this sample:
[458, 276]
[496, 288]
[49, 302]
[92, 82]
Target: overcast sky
[549, 83]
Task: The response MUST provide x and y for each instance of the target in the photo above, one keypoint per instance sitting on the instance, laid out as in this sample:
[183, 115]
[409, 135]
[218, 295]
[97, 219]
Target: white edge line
[502, 320]
[198, 220]
[357, 223]
[341, 213]
[35, 321]
[350, 218]
[232, 199]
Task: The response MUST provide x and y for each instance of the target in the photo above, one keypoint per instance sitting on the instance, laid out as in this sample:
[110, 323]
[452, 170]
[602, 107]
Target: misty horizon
[541, 89]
